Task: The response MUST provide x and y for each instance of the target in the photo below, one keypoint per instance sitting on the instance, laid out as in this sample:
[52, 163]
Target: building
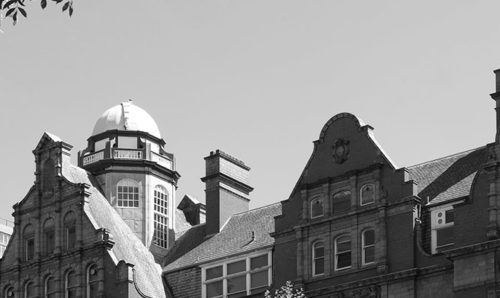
[6, 227]
[354, 225]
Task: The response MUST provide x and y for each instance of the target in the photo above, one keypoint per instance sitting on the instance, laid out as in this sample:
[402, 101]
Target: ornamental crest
[340, 150]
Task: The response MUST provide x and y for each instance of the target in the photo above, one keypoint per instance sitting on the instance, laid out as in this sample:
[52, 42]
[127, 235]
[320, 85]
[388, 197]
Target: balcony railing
[99, 155]
[127, 154]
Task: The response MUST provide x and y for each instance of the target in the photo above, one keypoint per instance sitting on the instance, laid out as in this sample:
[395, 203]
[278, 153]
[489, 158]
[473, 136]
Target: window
[342, 253]
[29, 243]
[127, 192]
[8, 292]
[160, 236]
[368, 249]
[341, 201]
[317, 208]
[443, 235]
[318, 258]
[48, 236]
[49, 287]
[238, 278]
[92, 281]
[70, 284]
[48, 176]
[69, 230]
[367, 194]
[29, 289]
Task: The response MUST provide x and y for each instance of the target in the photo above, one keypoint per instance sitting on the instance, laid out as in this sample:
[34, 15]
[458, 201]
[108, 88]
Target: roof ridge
[445, 157]
[256, 209]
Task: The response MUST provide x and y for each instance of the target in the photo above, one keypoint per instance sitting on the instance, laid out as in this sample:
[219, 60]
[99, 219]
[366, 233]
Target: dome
[126, 116]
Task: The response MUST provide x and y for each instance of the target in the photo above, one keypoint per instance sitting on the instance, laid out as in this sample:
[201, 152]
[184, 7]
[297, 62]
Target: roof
[127, 246]
[243, 232]
[450, 177]
[126, 116]
[181, 224]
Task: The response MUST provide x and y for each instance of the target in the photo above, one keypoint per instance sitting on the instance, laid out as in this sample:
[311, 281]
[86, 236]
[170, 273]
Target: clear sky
[257, 79]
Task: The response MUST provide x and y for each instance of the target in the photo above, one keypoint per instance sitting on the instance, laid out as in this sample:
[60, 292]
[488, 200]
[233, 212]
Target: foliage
[14, 8]
[286, 291]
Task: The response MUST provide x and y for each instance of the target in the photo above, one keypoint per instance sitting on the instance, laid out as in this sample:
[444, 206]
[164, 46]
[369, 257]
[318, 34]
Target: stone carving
[340, 150]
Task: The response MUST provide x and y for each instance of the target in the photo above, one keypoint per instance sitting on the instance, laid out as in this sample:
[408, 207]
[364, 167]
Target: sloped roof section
[127, 246]
[243, 232]
[450, 177]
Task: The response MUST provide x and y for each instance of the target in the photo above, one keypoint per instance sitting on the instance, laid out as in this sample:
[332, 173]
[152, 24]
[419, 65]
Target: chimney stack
[226, 189]
[496, 97]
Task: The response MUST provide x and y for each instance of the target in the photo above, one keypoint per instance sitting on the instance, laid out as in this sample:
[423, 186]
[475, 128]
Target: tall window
[368, 247]
[48, 175]
[341, 201]
[317, 207]
[318, 258]
[127, 192]
[443, 235]
[160, 236]
[70, 284]
[48, 236]
[49, 287]
[29, 289]
[238, 278]
[92, 281]
[29, 243]
[342, 252]
[69, 230]
[8, 292]
[367, 194]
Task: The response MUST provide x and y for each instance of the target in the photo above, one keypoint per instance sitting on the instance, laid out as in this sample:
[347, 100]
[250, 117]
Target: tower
[137, 176]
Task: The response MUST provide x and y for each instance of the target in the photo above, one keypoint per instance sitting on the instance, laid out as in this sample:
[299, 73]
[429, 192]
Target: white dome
[126, 116]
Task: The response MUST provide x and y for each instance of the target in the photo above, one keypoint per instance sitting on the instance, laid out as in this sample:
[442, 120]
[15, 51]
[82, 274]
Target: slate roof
[450, 177]
[127, 246]
[242, 233]
[181, 224]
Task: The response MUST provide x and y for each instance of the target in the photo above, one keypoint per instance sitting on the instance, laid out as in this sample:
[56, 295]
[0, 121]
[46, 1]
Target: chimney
[226, 189]
[496, 97]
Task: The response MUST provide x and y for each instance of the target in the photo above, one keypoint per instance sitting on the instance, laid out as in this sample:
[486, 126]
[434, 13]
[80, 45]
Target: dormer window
[367, 194]
[317, 207]
[443, 235]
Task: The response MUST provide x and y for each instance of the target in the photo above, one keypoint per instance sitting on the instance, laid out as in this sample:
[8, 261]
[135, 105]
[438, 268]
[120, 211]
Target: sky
[257, 79]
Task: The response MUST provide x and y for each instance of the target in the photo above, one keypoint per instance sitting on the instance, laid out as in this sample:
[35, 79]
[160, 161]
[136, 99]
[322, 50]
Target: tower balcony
[125, 154]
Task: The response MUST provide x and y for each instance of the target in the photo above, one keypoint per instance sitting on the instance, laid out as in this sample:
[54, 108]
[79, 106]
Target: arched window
[48, 175]
[342, 252]
[317, 207]
[29, 289]
[49, 287]
[160, 236]
[69, 230]
[70, 284]
[367, 194]
[8, 292]
[368, 246]
[92, 282]
[341, 201]
[48, 236]
[29, 242]
[318, 258]
[127, 192]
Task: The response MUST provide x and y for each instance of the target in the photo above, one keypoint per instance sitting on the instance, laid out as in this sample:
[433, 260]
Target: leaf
[21, 2]
[22, 11]
[70, 10]
[10, 11]
[9, 3]
[14, 18]
[43, 3]
[1, 2]
[65, 6]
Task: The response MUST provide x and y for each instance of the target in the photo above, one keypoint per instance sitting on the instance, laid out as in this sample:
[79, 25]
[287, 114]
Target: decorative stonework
[341, 150]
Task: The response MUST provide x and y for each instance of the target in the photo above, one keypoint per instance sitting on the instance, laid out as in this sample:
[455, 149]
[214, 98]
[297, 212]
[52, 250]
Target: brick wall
[185, 283]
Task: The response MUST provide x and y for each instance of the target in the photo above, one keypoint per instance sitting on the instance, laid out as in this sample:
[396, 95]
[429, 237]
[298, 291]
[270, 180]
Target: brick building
[355, 224]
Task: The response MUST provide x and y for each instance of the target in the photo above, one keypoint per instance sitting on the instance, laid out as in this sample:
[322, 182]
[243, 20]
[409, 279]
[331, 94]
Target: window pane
[317, 208]
[444, 236]
[343, 246]
[449, 216]
[236, 267]
[369, 237]
[319, 250]
[30, 249]
[258, 262]
[214, 272]
[214, 289]
[344, 260]
[236, 284]
[369, 254]
[259, 279]
[319, 266]
[367, 194]
[342, 201]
